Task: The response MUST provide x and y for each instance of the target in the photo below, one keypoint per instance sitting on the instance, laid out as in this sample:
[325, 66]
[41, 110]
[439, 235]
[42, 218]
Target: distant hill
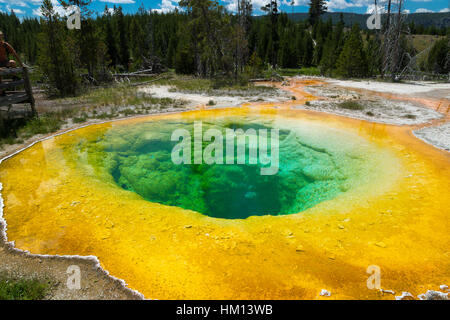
[438, 19]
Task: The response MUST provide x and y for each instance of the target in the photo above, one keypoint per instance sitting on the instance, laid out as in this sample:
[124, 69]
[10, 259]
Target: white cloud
[167, 6]
[445, 10]
[338, 4]
[296, 2]
[19, 3]
[345, 4]
[56, 6]
[334, 5]
[371, 9]
[119, 1]
[16, 10]
[231, 5]
[257, 4]
[423, 10]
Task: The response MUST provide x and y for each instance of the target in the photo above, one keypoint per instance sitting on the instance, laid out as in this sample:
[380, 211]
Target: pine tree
[110, 38]
[137, 38]
[328, 59]
[332, 48]
[273, 46]
[352, 61]
[308, 49]
[255, 66]
[211, 35]
[56, 53]
[439, 57]
[241, 31]
[171, 51]
[316, 9]
[89, 41]
[124, 52]
[374, 57]
[184, 59]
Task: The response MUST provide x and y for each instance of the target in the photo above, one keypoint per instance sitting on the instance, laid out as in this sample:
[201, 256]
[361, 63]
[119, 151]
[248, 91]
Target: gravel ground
[95, 282]
[396, 88]
[221, 99]
[437, 136]
[375, 109]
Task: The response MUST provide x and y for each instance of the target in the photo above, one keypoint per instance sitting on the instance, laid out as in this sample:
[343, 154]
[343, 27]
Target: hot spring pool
[342, 198]
[315, 164]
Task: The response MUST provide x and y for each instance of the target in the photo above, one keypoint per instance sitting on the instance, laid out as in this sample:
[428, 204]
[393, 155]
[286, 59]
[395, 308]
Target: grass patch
[79, 119]
[124, 95]
[47, 123]
[187, 83]
[311, 71]
[23, 289]
[350, 105]
[8, 140]
[105, 115]
[82, 118]
[422, 41]
[214, 87]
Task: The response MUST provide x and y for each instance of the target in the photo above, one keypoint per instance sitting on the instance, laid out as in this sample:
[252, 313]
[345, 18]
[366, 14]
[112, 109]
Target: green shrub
[47, 123]
[23, 289]
[350, 105]
[439, 57]
[352, 61]
[79, 120]
[311, 71]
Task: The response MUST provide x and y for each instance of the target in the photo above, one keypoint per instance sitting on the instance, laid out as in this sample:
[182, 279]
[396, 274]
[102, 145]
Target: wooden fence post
[29, 90]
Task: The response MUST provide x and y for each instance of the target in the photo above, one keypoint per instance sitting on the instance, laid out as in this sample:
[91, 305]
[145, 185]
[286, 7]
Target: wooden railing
[12, 78]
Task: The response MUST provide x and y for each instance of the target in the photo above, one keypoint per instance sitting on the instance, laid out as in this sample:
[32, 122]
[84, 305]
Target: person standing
[5, 50]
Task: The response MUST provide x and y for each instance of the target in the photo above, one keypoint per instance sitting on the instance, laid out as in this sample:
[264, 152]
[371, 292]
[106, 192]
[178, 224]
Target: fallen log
[132, 75]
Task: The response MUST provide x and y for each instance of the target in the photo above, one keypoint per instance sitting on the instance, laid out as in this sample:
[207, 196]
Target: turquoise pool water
[314, 165]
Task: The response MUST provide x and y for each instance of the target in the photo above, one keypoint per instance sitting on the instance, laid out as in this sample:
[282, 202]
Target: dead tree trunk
[392, 40]
[395, 64]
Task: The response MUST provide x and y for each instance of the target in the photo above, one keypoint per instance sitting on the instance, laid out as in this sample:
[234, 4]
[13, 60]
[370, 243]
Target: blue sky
[30, 8]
